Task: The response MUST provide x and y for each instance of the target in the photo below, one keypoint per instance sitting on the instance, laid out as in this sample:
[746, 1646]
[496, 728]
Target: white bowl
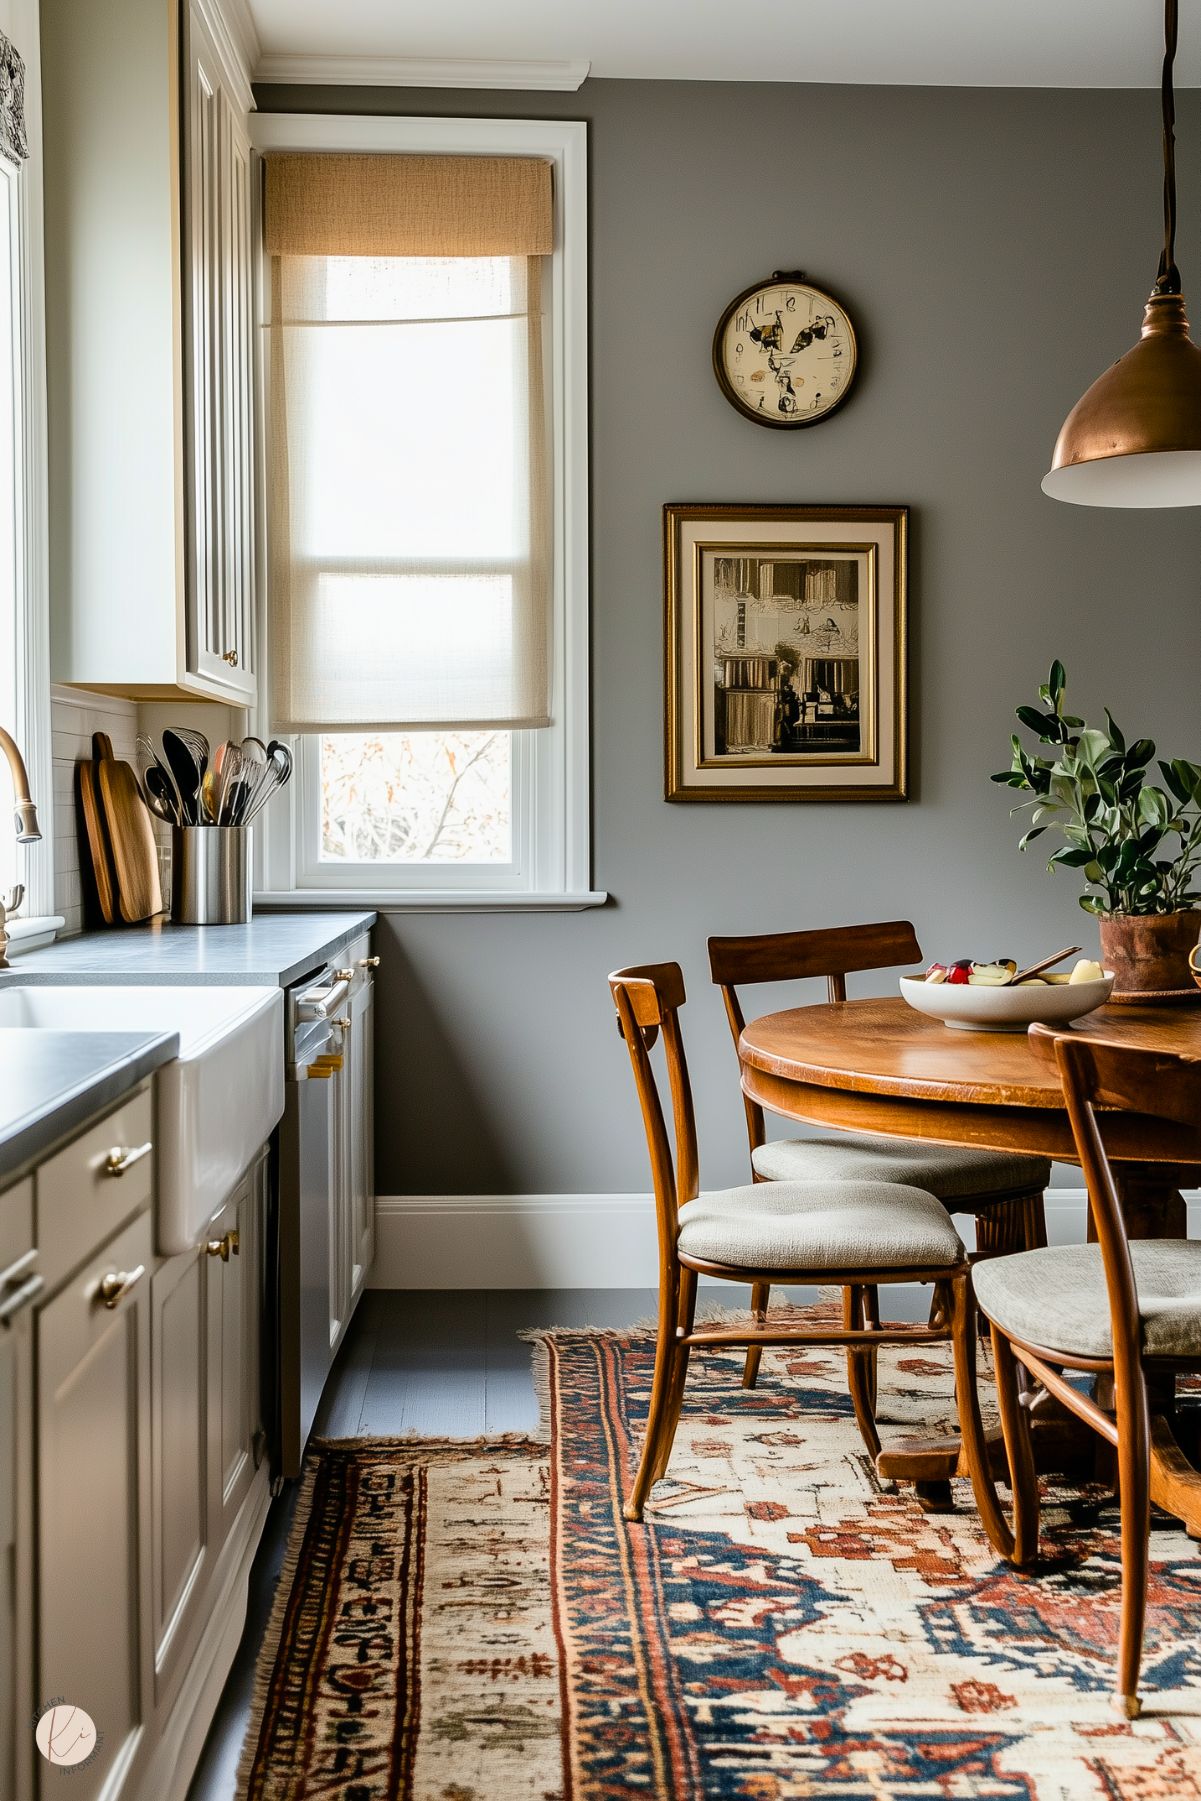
[983, 1009]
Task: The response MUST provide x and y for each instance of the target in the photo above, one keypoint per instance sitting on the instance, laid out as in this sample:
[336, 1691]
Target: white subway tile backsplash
[74, 717]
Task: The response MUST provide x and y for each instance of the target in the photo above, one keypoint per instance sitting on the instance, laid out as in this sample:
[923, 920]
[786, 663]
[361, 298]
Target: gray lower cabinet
[133, 1486]
[179, 1555]
[362, 1132]
[94, 1505]
[19, 1285]
[234, 1279]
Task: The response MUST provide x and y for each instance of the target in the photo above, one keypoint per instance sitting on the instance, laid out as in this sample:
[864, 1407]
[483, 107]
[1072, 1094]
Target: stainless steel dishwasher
[310, 1148]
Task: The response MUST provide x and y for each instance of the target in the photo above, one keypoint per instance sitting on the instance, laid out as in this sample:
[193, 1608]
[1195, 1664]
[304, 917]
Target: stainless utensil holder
[211, 875]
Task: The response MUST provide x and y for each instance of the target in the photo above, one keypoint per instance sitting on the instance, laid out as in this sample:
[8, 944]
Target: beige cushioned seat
[1057, 1297]
[941, 1169]
[820, 1225]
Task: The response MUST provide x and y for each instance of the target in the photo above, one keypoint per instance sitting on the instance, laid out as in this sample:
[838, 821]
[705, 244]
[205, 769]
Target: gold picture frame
[786, 650]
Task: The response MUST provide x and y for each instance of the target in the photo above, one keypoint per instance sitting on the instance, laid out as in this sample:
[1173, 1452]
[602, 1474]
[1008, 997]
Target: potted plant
[1137, 846]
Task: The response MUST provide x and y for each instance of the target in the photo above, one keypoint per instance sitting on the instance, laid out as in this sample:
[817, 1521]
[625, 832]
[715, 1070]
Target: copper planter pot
[1149, 954]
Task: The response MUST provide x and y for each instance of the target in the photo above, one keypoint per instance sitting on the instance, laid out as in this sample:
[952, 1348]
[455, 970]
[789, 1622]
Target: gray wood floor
[440, 1365]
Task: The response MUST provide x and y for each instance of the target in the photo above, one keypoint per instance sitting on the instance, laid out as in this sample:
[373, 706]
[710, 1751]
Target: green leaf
[1092, 746]
[1115, 734]
[1153, 807]
[1034, 832]
[1140, 754]
[1177, 781]
[1043, 725]
[1070, 857]
[1092, 903]
[1057, 680]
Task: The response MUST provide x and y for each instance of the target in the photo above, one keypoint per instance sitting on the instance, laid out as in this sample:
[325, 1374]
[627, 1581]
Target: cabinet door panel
[178, 1336]
[206, 599]
[237, 417]
[93, 1393]
[362, 1161]
[233, 1351]
[16, 1554]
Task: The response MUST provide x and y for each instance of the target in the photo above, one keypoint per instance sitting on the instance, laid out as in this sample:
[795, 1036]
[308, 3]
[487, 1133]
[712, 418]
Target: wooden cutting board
[98, 844]
[131, 835]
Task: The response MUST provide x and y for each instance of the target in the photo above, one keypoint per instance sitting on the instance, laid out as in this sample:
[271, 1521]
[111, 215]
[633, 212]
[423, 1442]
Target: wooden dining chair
[857, 1233]
[1112, 1308]
[1004, 1190]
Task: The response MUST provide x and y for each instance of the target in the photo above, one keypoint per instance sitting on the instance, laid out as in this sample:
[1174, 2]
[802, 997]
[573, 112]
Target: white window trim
[556, 870]
[32, 727]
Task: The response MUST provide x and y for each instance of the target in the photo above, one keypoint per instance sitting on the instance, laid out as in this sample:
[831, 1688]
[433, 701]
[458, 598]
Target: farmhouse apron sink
[216, 1104]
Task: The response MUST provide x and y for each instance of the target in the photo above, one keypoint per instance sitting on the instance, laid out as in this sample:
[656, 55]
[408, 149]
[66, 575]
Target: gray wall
[995, 249]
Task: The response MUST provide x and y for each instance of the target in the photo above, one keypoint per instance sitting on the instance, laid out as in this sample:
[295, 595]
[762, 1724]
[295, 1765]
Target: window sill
[435, 901]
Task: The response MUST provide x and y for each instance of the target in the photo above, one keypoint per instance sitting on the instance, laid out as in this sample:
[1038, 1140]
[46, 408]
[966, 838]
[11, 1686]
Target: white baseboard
[564, 1240]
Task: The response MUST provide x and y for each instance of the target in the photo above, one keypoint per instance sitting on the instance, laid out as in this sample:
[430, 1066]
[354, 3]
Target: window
[10, 538]
[414, 586]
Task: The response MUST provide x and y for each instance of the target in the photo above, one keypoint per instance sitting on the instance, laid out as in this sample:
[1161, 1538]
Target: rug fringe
[412, 1440]
[264, 1669]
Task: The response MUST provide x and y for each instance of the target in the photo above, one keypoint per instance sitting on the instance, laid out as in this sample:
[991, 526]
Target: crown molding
[244, 31]
[237, 43]
[417, 71]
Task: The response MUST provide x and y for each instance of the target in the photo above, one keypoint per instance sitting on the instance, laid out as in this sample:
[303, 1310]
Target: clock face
[784, 353]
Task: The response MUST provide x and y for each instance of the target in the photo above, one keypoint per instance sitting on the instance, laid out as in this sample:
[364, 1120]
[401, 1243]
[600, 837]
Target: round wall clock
[784, 352]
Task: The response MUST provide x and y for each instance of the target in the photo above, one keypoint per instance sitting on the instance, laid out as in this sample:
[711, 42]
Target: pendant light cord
[1168, 280]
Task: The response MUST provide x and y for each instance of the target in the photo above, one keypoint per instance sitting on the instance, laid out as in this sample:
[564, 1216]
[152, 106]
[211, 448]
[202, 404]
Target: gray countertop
[51, 1083]
[274, 948]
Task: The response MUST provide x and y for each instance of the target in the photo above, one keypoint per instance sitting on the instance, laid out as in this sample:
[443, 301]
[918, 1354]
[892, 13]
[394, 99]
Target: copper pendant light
[1134, 440]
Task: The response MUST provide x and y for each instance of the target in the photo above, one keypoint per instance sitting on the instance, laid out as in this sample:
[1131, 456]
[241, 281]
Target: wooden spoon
[1036, 969]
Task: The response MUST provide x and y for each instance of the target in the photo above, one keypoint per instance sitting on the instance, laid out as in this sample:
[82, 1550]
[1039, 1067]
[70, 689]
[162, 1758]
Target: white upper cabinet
[151, 349]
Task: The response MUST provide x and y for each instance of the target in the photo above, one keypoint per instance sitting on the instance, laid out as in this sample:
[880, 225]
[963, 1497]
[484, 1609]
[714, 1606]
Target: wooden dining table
[878, 1066]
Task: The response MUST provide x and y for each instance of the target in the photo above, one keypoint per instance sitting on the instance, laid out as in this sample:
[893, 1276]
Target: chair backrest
[1098, 1074]
[832, 952]
[648, 998]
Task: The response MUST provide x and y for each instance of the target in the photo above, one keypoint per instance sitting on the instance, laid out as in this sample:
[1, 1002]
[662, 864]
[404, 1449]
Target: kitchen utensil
[211, 870]
[231, 786]
[196, 742]
[272, 778]
[281, 756]
[186, 774]
[1036, 969]
[160, 802]
[157, 779]
[97, 836]
[254, 750]
[1008, 1008]
[131, 835]
[198, 745]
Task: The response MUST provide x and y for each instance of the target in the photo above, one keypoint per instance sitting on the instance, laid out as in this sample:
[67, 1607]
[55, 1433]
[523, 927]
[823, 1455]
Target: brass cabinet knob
[344, 975]
[123, 1157]
[224, 1247]
[113, 1288]
[230, 657]
[368, 962]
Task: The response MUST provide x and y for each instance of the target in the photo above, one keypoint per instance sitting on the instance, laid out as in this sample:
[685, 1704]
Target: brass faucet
[28, 830]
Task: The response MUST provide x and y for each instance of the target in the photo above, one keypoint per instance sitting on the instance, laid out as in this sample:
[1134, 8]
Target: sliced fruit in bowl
[985, 997]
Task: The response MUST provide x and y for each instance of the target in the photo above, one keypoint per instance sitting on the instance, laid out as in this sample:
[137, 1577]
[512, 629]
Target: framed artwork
[785, 652]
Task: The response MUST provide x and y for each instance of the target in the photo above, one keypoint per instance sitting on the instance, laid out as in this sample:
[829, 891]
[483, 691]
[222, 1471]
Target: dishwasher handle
[321, 1003]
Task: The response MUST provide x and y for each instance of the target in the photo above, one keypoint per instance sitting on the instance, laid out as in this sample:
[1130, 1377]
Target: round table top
[885, 1047]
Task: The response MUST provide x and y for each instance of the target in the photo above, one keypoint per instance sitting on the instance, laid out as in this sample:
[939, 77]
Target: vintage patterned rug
[475, 1622]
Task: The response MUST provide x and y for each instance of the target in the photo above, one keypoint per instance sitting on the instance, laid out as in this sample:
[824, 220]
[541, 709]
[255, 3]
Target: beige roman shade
[408, 518]
[408, 206]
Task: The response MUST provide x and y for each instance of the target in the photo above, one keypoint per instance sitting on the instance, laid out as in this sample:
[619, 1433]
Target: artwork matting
[785, 652]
